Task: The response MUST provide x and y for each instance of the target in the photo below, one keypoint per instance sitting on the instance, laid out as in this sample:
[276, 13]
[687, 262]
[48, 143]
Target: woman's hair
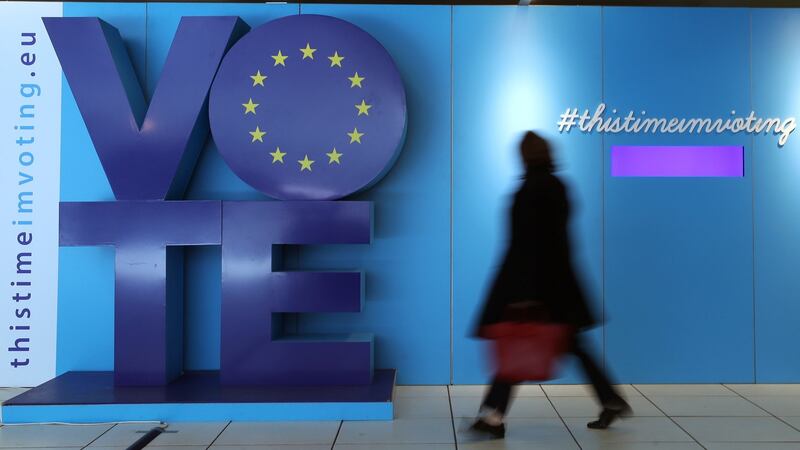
[535, 151]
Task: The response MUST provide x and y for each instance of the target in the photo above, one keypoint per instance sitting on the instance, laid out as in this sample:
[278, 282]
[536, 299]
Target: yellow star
[336, 60]
[277, 155]
[305, 163]
[355, 80]
[258, 79]
[250, 107]
[363, 108]
[308, 52]
[334, 156]
[355, 136]
[279, 59]
[257, 135]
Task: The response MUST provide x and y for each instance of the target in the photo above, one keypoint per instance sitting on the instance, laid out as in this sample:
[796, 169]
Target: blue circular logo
[308, 107]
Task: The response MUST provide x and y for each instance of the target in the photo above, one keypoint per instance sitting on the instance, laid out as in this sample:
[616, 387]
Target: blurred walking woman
[538, 268]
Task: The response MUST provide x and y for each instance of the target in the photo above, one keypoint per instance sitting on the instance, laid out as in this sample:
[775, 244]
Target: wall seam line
[753, 193]
[452, 177]
[603, 187]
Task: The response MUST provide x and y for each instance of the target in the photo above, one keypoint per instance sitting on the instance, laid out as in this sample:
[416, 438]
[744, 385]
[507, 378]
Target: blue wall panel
[678, 251]
[516, 69]
[776, 73]
[408, 263]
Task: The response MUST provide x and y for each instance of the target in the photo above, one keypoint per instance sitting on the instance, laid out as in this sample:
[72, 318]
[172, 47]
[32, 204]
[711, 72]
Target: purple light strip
[677, 161]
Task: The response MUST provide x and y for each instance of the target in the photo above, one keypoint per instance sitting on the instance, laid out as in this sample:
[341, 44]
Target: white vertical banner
[30, 148]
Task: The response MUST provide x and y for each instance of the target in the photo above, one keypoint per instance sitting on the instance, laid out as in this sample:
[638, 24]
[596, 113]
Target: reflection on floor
[667, 417]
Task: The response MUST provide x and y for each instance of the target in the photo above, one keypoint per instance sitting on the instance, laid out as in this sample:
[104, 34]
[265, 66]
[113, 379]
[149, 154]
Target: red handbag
[527, 351]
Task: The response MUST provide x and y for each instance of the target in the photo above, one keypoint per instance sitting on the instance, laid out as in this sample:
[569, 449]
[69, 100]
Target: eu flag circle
[308, 107]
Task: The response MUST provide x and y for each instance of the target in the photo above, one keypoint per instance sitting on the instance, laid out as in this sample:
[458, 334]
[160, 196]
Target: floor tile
[780, 406]
[634, 429]
[465, 406]
[568, 390]
[643, 446]
[400, 431]
[394, 447]
[65, 448]
[752, 445]
[505, 445]
[793, 421]
[520, 433]
[186, 433]
[22, 436]
[738, 429]
[627, 390]
[663, 390]
[71, 448]
[707, 406]
[585, 390]
[175, 447]
[420, 391]
[163, 447]
[273, 433]
[422, 407]
[525, 390]
[468, 390]
[264, 447]
[521, 407]
[765, 389]
[588, 407]
[529, 390]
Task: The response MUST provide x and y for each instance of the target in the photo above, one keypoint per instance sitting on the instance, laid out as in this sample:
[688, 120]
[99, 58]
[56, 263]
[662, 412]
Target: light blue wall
[694, 276]
[776, 90]
[679, 251]
[516, 69]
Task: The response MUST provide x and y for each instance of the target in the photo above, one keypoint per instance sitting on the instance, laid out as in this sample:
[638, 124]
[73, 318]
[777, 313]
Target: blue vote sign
[302, 108]
[308, 107]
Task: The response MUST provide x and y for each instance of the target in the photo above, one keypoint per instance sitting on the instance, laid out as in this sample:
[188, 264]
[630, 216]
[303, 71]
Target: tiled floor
[667, 417]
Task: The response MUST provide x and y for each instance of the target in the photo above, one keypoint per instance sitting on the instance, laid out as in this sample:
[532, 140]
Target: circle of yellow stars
[307, 52]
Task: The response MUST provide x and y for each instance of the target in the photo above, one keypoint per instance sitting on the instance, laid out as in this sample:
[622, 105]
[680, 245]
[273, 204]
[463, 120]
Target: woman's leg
[613, 403]
[605, 392]
[498, 397]
[493, 409]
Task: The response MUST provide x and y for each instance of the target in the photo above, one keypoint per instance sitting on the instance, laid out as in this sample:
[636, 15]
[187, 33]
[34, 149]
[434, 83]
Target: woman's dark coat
[537, 266]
